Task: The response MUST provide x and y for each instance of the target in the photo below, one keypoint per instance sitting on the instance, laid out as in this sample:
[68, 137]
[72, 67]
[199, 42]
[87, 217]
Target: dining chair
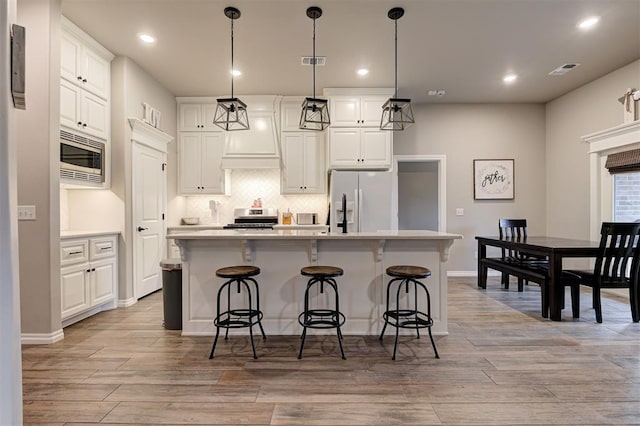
[517, 229]
[617, 265]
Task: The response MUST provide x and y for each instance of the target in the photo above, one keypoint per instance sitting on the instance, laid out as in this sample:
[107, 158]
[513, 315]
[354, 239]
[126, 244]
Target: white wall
[464, 132]
[10, 359]
[588, 109]
[38, 169]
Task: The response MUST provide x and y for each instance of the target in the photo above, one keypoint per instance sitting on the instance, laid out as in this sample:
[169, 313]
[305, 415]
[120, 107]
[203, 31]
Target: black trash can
[172, 293]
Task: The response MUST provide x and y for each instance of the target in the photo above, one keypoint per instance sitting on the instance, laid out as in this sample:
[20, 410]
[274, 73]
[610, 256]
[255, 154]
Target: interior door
[149, 185]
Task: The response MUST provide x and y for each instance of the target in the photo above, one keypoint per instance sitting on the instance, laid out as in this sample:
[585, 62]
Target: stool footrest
[406, 318]
[321, 318]
[241, 318]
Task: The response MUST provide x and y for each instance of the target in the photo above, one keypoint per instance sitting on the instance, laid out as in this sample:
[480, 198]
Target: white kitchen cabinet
[290, 113]
[200, 159]
[304, 163]
[83, 111]
[88, 276]
[359, 148]
[356, 111]
[196, 117]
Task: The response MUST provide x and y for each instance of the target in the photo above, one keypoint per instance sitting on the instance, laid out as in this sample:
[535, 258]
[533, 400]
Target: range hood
[258, 147]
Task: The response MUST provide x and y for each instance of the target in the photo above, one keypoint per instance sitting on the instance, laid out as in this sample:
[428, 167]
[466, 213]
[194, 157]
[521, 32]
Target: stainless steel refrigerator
[371, 199]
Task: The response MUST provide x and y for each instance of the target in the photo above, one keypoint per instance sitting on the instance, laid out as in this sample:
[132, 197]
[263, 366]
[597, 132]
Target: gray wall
[10, 356]
[466, 132]
[418, 195]
[38, 169]
[590, 108]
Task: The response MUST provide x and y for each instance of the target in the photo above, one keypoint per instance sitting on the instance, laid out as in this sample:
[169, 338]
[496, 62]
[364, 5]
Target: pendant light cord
[314, 58]
[232, 58]
[395, 95]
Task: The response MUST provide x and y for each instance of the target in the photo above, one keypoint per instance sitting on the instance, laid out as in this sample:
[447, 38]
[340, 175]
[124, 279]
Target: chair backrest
[619, 255]
[512, 228]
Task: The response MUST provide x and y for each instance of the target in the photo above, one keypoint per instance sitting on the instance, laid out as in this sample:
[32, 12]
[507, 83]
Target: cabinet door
[70, 48]
[344, 111]
[315, 177]
[189, 117]
[371, 110]
[75, 291]
[70, 105]
[207, 113]
[212, 176]
[344, 148]
[96, 72]
[294, 164]
[103, 282]
[94, 115]
[189, 153]
[376, 148]
[290, 113]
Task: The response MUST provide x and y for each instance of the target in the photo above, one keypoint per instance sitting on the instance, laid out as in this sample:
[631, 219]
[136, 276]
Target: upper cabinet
[85, 84]
[84, 62]
[356, 111]
[353, 148]
[304, 166]
[197, 117]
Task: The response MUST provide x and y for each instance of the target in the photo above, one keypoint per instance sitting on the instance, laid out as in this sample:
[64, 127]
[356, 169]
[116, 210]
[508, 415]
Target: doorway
[421, 189]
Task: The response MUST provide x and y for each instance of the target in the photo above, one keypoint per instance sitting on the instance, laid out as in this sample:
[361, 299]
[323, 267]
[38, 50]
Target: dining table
[553, 248]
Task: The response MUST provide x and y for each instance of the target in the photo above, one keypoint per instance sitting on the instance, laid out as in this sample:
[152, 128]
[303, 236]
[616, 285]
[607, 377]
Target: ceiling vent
[307, 61]
[563, 69]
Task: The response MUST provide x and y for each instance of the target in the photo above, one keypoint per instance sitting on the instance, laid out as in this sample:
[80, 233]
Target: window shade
[622, 162]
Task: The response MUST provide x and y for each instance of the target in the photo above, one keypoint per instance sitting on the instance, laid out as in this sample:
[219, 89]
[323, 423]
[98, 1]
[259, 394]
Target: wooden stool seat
[238, 271]
[408, 271]
[321, 271]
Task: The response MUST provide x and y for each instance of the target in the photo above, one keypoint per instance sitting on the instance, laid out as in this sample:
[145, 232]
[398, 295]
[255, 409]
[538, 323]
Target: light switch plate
[459, 212]
[26, 212]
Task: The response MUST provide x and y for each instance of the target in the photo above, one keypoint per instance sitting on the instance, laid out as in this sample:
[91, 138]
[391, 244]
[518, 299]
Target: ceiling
[462, 46]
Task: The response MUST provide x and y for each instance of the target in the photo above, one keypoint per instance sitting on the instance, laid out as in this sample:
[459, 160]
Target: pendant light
[396, 112]
[231, 113]
[315, 112]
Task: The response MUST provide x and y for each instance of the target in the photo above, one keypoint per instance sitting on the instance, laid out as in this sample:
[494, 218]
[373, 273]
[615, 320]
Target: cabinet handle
[84, 124]
[84, 80]
[79, 77]
[79, 123]
[105, 248]
[93, 269]
[140, 229]
[75, 252]
[88, 270]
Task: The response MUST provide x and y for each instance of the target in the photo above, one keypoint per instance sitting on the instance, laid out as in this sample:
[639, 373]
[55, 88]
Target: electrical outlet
[475, 255]
[26, 212]
[459, 212]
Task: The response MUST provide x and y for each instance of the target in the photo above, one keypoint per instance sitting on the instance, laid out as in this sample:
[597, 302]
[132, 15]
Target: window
[626, 197]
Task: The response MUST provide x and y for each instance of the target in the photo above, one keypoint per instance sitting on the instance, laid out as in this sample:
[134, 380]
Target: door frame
[441, 160]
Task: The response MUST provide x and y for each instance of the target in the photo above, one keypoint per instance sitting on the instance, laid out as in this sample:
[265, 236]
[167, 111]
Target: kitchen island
[281, 253]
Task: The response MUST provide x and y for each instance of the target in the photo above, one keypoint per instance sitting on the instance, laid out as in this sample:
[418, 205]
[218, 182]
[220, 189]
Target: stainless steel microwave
[82, 160]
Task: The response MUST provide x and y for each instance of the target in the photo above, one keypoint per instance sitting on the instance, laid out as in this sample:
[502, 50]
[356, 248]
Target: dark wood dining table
[555, 249]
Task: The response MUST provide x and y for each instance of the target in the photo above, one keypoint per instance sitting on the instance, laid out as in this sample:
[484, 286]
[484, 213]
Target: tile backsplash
[246, 186]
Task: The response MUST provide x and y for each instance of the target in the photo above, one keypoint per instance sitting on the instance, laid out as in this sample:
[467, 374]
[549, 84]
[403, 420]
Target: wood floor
[501, 364]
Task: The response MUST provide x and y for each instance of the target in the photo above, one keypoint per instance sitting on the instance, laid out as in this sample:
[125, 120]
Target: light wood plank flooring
[501, 364]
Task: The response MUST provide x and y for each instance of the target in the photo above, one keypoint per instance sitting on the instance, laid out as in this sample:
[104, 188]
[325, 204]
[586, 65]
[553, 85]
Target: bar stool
[238, 317]
[408, 318]
[316, 317]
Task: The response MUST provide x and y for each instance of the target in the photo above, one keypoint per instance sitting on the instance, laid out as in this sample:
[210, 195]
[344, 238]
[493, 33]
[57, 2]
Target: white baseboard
[471, 274]
[125, 303]
[42, 338]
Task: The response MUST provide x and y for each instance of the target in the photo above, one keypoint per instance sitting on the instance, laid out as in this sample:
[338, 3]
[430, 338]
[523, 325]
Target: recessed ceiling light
[590, 22]
[147, 38]
[509, 78]
[363, 71]
[236, 73]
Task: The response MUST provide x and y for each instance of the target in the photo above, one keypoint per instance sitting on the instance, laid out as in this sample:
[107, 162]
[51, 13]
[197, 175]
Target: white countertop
[86, 234]
[182, 228]
[297, 234]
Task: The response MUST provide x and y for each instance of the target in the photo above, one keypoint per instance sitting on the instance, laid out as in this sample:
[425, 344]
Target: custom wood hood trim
[146, 134]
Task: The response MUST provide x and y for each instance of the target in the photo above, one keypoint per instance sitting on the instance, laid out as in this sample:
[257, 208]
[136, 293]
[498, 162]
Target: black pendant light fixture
[231, 113]
[396, 112]
[315, 112]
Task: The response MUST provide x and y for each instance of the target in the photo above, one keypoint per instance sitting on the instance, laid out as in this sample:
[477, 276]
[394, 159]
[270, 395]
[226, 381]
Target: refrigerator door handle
[360, 212]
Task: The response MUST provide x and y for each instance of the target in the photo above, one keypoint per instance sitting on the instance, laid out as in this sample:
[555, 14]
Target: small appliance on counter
[307, 218]
[253, 218]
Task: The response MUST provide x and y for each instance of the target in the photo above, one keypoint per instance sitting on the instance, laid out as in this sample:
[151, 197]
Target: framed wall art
[493, 180]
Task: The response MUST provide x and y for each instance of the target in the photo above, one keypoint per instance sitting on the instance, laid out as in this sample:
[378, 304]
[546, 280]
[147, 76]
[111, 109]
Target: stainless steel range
[253, 218]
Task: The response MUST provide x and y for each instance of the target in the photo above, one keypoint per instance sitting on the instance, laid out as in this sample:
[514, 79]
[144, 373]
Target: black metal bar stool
[238, 317]
[321, 318]
[404, 275]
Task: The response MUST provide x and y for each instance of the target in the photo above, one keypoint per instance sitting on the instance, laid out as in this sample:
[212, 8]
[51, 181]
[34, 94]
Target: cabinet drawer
[74, 251]
[101, 248]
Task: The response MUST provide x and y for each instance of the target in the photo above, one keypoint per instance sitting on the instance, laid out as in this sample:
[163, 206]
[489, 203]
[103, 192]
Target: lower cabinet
[88, 276]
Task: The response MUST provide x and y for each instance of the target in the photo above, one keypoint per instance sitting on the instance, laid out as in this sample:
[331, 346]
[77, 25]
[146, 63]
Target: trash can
[172, 293]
